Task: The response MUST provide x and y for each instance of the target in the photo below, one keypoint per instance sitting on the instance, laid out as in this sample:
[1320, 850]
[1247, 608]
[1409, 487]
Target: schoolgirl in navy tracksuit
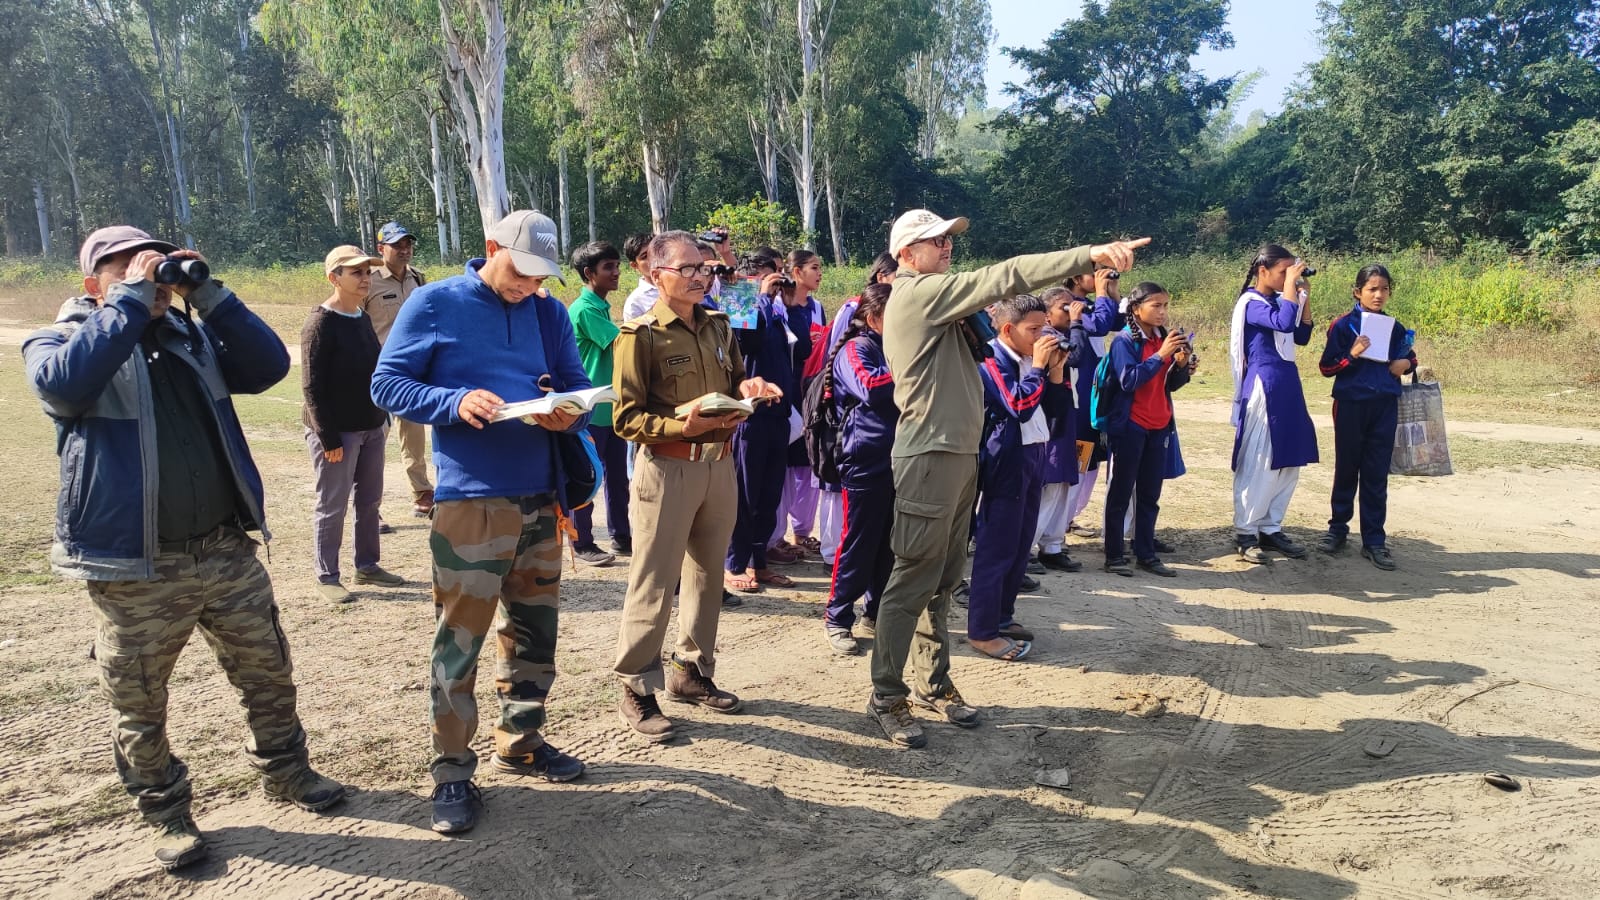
[1146, 365]
[1019, 400]
[1101, 319]
[1366, 400]
[761, 442]
[864, 391]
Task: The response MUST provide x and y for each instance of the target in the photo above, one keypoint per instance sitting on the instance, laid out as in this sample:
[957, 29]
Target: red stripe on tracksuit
[1017, 404]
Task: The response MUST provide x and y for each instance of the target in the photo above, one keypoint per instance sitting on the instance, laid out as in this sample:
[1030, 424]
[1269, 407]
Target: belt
[691, 451]
[196, 545]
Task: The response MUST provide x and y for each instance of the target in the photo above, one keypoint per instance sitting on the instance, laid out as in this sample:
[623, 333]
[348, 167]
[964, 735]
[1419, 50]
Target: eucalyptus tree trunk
[588, 164]
[41, 210]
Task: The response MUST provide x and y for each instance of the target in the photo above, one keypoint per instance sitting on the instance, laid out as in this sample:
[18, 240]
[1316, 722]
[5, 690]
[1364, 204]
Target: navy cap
[394, 233]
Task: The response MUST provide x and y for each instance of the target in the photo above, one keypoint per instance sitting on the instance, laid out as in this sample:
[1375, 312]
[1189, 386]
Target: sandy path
[1478, 655]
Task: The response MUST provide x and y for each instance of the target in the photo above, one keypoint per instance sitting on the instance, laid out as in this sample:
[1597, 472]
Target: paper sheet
[1377, 328]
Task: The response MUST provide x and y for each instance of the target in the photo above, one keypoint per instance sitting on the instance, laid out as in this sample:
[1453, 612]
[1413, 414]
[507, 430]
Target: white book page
[575, 401]
[1377, 328]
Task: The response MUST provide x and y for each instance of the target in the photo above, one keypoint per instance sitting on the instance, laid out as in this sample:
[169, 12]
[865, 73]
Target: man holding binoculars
[158, 494]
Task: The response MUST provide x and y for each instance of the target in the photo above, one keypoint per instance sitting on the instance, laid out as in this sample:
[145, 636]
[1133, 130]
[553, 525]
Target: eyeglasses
[690, 271]
[941, 242]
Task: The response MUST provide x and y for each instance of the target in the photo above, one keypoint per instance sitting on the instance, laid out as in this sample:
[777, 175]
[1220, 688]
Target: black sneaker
[1380, 557]
[1164, 547]
[1284, 544]
[1157, 567]
[545, 761]
[623, 544]
[592, 555]
[730, 600]
[1036, 567]
[1029, 584]
[1060, 562]
[1119, 566]
[1332, 543]
[456, 805]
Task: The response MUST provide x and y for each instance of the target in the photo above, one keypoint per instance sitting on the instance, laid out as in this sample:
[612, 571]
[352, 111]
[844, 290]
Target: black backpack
[824, 422]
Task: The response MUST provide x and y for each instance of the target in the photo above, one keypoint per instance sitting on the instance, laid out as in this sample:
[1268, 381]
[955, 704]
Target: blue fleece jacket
[456, 335]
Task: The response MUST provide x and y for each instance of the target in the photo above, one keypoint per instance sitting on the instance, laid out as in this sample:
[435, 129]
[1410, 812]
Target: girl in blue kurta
[1273, 435]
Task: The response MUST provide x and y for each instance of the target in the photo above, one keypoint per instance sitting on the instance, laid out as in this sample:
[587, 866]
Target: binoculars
[1309, 269]
[179, 270]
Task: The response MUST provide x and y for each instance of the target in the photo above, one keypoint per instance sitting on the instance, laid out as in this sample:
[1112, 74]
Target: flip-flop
[744, 584]
[1014, 650]
[776, 579]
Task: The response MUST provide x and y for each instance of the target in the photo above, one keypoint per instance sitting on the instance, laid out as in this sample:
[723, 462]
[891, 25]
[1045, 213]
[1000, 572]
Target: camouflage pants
[492, 555]
[222, 589]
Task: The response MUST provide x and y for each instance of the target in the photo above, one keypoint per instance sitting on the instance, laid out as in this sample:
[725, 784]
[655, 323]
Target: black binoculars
[718, 270]
[180, 270]
[1113, 275]
[713, 237]
[1309, 269]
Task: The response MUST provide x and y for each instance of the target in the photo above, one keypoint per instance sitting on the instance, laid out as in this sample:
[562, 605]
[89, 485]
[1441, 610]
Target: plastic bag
[1420, 446]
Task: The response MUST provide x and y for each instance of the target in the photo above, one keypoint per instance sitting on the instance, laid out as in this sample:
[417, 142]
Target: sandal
[776, 579]
[742, 582]
[1014, 650]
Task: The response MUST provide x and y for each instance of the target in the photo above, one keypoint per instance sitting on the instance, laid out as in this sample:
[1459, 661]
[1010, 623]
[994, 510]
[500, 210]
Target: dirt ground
[1216, 726]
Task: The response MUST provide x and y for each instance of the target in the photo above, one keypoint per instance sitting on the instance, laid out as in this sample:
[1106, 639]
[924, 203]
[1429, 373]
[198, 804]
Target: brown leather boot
[641, 713]
[685, 684]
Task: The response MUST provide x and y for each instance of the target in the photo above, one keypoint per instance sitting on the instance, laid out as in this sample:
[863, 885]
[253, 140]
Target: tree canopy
[269, 132]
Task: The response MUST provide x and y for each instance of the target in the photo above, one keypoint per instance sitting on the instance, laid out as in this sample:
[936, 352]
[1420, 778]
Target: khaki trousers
[682, 514]
[934, 494]
[414, 453]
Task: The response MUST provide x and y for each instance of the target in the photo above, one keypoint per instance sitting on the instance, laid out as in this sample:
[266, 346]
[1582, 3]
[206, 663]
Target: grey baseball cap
[113, 240]
[530, 236]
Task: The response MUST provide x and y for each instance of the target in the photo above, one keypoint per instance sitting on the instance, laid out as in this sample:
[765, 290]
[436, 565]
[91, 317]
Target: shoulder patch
[716, 314]
[634, 326]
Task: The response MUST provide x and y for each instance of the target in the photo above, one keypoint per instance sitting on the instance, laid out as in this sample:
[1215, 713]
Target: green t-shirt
[591, 323]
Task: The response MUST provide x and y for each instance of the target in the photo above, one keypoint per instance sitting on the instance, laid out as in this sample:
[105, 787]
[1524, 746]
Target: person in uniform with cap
[344, 430]
[459, 350]
[683, 499]
[930, 350]
[392, 284]
[158, 492]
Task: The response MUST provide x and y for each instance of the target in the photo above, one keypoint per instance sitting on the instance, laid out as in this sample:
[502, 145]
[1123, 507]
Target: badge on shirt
[677, 361]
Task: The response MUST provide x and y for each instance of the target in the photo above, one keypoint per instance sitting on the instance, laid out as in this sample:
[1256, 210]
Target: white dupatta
[1282, 340]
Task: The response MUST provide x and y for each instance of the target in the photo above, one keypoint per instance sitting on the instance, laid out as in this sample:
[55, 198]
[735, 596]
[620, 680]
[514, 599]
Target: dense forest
[269, 131]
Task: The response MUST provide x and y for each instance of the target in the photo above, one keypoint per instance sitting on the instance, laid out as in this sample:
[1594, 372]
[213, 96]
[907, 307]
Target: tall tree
[948, 71]
[1104, 133]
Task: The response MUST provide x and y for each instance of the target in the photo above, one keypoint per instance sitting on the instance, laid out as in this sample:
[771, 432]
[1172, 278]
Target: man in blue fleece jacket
[459, 350]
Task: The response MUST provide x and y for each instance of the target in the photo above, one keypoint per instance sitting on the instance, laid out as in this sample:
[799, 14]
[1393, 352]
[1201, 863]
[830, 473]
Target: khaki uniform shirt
[659, 363]
[385, 296]
[936, 383]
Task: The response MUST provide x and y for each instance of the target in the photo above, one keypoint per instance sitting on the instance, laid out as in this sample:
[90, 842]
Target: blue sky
[1277, 36]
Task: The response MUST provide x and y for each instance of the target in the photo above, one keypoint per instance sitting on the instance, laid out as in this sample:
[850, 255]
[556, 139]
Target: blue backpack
[1101, 391]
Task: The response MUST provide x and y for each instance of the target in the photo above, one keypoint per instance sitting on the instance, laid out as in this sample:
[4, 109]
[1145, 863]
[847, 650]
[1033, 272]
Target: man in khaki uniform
[935, 456]
[683, 498]
[392, 284]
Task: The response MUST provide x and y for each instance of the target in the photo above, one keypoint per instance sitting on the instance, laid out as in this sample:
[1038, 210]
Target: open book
[565, 401]
[715, 404]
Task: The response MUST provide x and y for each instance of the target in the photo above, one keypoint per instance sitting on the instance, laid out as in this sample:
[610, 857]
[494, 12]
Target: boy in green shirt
[599, 265]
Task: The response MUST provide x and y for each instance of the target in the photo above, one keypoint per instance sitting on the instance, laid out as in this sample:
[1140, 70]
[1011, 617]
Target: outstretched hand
[1117, 254]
